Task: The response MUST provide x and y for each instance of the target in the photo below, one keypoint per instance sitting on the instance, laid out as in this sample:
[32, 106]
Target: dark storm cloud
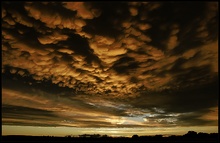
[111, 64]
[187, 105]
[20, 112]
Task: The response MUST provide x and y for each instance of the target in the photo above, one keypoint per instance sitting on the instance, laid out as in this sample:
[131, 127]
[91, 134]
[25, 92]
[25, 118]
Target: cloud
[172, 42]
[144, 26]
[205, 55]
[89, 111]
[3, 13]
[52, 39]
[9, 20]
[82, 9]
[123, 64]
[211, 115]
[68, 51]
[133, 11]
[50, 17]
[20, 18]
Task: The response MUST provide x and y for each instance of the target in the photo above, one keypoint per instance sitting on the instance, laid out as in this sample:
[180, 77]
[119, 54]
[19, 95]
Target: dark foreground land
[187, 138]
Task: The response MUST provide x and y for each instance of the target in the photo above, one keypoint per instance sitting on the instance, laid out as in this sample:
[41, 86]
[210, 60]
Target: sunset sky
[115, 68]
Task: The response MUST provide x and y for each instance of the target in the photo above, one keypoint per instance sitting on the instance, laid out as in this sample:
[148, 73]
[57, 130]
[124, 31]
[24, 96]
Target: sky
[115, 68]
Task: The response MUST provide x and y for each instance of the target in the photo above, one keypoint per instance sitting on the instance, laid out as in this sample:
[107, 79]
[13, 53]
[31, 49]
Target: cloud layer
[87, 64]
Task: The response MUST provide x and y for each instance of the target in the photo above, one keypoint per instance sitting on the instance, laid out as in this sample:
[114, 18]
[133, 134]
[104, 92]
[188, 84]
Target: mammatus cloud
[86, 64]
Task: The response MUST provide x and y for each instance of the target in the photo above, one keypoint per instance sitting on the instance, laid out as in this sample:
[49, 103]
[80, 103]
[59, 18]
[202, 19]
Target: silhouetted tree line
[191, 136]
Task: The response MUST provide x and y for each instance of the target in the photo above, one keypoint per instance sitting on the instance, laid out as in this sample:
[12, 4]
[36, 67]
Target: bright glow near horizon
[128, 132]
